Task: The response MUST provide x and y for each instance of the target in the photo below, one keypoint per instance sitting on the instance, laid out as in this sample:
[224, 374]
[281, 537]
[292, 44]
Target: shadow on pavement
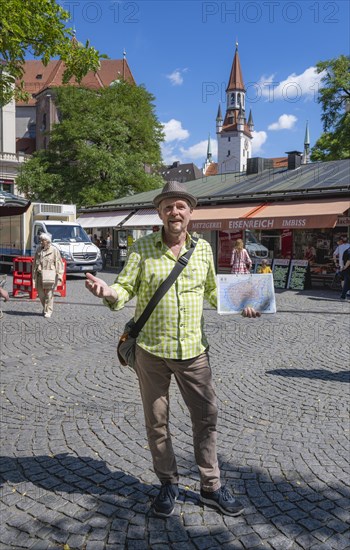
[23, 313]
[67, 495]
[322, 374]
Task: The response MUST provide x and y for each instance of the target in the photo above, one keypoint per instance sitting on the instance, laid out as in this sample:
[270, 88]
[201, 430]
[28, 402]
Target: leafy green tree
[100, 148]
[38, 28]
[334, 96]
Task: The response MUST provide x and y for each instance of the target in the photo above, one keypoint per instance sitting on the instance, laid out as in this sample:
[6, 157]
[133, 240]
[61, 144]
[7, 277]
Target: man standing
[345, 273]
[338, 253]
[172, 342]
[338, 257]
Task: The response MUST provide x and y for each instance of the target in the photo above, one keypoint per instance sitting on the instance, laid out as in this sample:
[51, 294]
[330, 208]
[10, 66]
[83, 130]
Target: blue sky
[182, 52]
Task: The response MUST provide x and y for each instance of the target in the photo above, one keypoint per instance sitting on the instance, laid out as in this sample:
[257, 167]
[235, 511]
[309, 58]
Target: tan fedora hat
[174, 190]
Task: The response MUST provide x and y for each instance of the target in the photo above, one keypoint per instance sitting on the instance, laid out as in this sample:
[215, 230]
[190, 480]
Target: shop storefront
[298, 230]
[289, 230]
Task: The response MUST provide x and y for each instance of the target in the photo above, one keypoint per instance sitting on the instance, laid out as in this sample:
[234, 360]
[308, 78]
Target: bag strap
[163, 289]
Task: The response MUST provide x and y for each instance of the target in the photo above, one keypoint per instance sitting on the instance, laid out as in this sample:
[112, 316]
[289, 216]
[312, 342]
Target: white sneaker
[47, 315]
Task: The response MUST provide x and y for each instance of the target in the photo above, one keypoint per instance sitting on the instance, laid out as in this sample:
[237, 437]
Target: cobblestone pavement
[76, 468]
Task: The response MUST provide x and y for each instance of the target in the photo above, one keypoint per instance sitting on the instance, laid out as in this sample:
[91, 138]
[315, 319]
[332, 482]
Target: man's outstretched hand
[98, 287]
[250, 312]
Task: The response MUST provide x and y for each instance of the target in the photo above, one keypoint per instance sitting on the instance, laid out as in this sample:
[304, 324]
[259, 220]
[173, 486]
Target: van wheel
[94, 273]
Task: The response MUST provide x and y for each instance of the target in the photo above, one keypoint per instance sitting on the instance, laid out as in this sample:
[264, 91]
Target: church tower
[234, 134]
[306, 153]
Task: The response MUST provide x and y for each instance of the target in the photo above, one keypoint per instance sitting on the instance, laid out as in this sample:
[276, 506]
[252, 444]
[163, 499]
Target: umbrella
[12, 205]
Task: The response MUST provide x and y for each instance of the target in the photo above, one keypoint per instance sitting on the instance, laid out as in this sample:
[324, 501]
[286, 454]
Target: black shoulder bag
[127, 342]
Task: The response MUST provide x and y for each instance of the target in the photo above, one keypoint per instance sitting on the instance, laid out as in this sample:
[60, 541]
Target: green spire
[307, 136]
[209, 155]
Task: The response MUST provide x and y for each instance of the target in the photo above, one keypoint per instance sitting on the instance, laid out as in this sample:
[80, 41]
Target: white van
[255, 249]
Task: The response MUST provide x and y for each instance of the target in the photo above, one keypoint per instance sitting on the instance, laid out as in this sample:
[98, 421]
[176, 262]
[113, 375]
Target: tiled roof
[232, 126]
[280, 162]
[37, 77]
[309, 180]
[212, 169]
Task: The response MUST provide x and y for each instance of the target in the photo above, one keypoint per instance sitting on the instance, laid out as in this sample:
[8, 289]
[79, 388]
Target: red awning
[309, 214]
[212, 218]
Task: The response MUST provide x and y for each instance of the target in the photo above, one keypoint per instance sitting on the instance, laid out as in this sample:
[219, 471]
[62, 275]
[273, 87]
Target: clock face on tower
[246, 144]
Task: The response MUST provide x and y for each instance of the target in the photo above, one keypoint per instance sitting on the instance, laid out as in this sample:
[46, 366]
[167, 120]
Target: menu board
[280, 270]
[297, 274]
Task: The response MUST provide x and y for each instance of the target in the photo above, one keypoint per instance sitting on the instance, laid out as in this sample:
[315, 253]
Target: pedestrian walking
[173, 342]
[240, 259]
[47, 272]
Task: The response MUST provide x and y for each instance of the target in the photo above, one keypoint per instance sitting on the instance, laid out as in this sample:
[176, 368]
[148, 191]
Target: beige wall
[8, 128]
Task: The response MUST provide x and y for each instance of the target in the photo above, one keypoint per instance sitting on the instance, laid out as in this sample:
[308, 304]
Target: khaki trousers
[45, 296]
[194, 380]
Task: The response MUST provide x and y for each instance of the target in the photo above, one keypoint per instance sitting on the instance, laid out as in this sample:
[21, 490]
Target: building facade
[10, 160]
[36, 117]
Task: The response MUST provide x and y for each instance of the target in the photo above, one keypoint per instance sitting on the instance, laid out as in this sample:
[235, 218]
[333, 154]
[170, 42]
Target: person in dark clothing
[346, 273]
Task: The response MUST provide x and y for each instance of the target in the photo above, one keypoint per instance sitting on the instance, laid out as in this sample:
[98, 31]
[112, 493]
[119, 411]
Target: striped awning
[103, 219]
[148, 217]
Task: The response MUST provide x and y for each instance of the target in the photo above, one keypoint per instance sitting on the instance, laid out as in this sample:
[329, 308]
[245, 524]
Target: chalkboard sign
[297, 274]
[280, 270]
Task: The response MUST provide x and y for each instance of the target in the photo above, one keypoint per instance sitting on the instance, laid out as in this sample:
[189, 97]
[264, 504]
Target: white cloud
[285, 122]
[199, 150]
[169, 153]
[293, 88]
[174, 131]
[258, 141]
[196, 153]
[176, 77]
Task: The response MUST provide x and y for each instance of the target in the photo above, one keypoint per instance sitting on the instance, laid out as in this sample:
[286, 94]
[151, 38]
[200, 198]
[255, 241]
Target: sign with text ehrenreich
[297, 274]
[280, 270]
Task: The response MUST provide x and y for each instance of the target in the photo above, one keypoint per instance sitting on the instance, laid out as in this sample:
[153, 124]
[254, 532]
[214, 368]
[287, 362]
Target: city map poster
[236, 291]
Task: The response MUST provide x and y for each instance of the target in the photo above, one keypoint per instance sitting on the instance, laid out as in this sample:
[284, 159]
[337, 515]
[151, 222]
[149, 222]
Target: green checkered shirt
[175, 328]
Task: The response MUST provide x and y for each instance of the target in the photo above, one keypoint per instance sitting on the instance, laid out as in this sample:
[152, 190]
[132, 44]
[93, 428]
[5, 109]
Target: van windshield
[68, 234]
[250, 238]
